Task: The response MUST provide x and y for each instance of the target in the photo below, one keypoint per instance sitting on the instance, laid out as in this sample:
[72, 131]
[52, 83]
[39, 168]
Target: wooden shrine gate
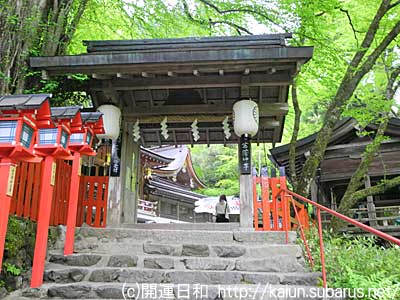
[92, 202]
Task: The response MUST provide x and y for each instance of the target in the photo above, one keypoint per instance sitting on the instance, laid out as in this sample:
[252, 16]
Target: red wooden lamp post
[20, 118]
[52, 143]
[81, 144]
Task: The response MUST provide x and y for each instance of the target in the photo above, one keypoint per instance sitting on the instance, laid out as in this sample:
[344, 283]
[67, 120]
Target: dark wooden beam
[266, 110]
[171, 74]
[262, 54]
[264, 122]
[101, 76]
[124, 76]
[212, 81]
[148, 75]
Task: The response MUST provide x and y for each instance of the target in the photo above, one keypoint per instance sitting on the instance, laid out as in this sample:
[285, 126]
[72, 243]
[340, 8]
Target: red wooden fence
[272, 210]
[92, 206]
[92, 203]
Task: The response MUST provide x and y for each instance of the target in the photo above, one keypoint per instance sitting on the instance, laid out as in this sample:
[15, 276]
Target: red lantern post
[20, 118]
[52, 143]
[81, 144]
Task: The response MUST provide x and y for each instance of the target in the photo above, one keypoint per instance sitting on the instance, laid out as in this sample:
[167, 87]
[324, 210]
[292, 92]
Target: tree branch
[370, 35]
[211, 22]
[395, 4]
[351, 24]
[240, 10]
[296, 128]
[237, 27]
[376, 189]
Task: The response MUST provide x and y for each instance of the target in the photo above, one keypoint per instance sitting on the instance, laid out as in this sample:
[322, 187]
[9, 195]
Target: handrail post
[321, 246]
[303, 236]
[347, 219]
[285, 216]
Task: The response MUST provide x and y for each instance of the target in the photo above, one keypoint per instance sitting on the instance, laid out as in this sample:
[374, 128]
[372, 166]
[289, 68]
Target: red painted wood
[5, 203]
[72, 205]
[21, 190]
[347, 219]
[82, 188]
[321, 247]
[89, 203]
[266, 207]
[275, 204]
[14, 199]
[256, 206]
[302, 234]
[30, 181]
[43, 222]
[36, 192]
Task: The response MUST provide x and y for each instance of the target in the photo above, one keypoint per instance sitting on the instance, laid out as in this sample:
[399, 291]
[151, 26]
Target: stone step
[140, 275]
[275, 263]
[186, 226]
[167, 291]
[148, 248]
[132, 236]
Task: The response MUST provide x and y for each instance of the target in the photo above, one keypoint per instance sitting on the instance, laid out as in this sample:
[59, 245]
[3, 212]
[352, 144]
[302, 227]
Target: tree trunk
[295, 134]
[357, 69]
[31, 28]
[357, 179]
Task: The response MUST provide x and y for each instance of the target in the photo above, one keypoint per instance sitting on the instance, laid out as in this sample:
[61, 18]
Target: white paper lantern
[245, 117]
[112, 121]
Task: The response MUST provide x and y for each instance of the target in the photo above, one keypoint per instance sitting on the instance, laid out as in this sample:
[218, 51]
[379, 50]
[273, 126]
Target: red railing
[276, 209]
[289, 195]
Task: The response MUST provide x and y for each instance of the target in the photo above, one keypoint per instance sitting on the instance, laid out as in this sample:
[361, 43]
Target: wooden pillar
[246, 185]
[7, 177]
[314, 191]
[333, 200]
[73, 204]
[114, 196]
[370, 204]
[46, 195]
[130, 165]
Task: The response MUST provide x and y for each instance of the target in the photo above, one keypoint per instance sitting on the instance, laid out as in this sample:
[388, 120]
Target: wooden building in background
[167, 182]
[341, 159]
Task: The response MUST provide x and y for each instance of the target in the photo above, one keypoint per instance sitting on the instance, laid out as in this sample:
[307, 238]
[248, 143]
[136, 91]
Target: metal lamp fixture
[112, 121]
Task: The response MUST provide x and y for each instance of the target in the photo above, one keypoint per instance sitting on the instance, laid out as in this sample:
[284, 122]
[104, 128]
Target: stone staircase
[214, 261]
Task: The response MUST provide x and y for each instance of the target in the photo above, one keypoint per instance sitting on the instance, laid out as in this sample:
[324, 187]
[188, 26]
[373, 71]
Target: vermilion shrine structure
[36, 143]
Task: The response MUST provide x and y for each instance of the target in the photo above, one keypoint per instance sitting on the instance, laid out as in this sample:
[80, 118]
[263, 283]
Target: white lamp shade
[112, 121]
[245, 117]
